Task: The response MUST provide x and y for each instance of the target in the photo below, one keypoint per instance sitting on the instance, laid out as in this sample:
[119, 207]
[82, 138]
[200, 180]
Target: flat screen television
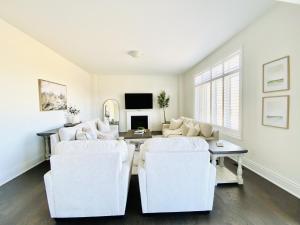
[138, 101]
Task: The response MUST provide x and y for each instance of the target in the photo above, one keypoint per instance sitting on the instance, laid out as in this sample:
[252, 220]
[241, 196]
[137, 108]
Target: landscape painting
[276, 111]
[53, 96]
[276, 75]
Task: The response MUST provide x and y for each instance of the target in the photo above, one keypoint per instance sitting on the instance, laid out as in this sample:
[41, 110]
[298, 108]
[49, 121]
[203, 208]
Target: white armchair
[89, 179]
[176, 177]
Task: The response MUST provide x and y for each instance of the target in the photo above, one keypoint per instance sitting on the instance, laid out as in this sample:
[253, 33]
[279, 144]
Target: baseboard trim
[286, 184]
[21, 169]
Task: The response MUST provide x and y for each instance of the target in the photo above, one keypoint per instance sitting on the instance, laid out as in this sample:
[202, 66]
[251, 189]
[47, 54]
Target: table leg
[240, 170]
[47, 148]
[221, 161]
[214, 162]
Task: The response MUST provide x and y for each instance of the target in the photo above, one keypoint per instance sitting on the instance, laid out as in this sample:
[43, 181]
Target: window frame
[226, 131]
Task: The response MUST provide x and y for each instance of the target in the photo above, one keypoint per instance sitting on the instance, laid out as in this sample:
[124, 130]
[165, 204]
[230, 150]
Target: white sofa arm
[142, 185]
[211, 186]
[54, 140]
[49, 192]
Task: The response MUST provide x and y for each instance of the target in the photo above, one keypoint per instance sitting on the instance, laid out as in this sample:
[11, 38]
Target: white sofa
[175, 175]
[206, 131]
[69, 133]
[89, 178]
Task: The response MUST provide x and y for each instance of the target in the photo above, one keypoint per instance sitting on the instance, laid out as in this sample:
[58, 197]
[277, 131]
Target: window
[217, 95]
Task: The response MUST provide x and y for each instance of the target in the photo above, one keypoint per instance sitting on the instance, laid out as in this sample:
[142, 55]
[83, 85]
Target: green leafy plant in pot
[163, 101]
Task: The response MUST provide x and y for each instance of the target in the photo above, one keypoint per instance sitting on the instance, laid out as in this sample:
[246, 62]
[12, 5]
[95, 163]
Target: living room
[213, 60]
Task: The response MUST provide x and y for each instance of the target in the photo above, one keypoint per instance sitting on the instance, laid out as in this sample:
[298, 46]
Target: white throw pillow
[185, 128]
[175, 124]
[206, 129]
[82, 136]
[67, 133]
[90, 131]
[103, 127]
[105, 136]
[193, 131]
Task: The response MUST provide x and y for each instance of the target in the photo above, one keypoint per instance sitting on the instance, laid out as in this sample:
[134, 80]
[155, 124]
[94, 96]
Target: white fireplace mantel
[130, 113]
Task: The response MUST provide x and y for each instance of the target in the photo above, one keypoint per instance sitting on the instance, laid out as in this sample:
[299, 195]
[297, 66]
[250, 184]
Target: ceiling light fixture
[133, 53]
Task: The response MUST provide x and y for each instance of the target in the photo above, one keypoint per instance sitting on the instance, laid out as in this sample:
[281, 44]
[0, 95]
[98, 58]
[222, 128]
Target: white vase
[76, 119]
[69, 118]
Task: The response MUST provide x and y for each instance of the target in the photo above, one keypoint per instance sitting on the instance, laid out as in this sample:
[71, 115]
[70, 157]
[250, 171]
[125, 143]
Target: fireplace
[139, 121]
[138, 118]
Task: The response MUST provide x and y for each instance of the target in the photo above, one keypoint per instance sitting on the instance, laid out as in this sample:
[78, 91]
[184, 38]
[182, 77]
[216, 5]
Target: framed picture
[53, 96]
[275, 111]
[276, 75]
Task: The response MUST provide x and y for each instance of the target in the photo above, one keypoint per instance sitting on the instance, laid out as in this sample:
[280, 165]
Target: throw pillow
[90, 132]
[193, 131]
[105, 136]
[206, 129]
[103, 127]
[175, 124]
[82, 136]
[185, 128]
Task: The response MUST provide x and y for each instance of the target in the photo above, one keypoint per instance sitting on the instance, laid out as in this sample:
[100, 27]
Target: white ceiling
[171, 35]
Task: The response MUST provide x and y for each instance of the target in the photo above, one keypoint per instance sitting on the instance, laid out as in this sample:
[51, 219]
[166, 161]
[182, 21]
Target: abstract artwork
[276, 111]
[53, 96]
[276, 75]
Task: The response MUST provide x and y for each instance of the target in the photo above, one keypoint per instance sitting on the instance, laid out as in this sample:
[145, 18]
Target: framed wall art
[276, 75]
[275, 111]
[53, 96]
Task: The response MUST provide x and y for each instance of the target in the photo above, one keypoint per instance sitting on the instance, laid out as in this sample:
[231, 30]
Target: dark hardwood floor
[259, 202]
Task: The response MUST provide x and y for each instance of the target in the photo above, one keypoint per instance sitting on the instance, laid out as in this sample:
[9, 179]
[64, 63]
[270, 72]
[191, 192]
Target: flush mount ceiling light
[133, 53]
[290, 1]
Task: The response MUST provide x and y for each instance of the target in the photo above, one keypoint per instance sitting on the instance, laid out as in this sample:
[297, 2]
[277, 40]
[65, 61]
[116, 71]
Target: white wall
[273, 152]
[114, 87]
[22, 62]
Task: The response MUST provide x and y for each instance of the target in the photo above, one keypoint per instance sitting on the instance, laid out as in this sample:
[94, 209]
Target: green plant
[163, 101]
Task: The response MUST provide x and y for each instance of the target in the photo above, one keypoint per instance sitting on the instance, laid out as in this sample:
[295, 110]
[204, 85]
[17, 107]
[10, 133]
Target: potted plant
[163, 102]
[73, 115]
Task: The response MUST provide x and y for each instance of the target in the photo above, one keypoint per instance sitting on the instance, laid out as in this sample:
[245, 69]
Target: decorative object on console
[275, 111]
[53, 96]
[276, 75]
[163, 102]
[111, 111]
[72, 115]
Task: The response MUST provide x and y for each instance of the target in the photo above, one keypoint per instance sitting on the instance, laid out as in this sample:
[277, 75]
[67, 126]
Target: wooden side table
[229, 149]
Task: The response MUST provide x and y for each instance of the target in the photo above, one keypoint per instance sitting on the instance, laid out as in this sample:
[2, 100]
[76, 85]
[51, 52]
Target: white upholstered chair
[175, 175]
[89, 178]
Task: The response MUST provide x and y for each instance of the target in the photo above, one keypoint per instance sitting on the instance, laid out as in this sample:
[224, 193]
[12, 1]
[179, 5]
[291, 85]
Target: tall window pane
[232, 101]
[204, 102]
[217, 102]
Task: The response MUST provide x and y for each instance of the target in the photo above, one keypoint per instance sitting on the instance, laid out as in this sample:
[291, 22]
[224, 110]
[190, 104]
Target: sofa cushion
[92, 147]
[175, 124]
[185, 128]
[193, 131]
[67, 133]
[103, 127]
[106, 136]
[85, 133]
[174, 144]
[206, 129]
[168, 132]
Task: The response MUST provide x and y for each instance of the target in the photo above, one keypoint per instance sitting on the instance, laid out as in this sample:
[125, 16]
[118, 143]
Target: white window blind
[217, 94]
[217, 102]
